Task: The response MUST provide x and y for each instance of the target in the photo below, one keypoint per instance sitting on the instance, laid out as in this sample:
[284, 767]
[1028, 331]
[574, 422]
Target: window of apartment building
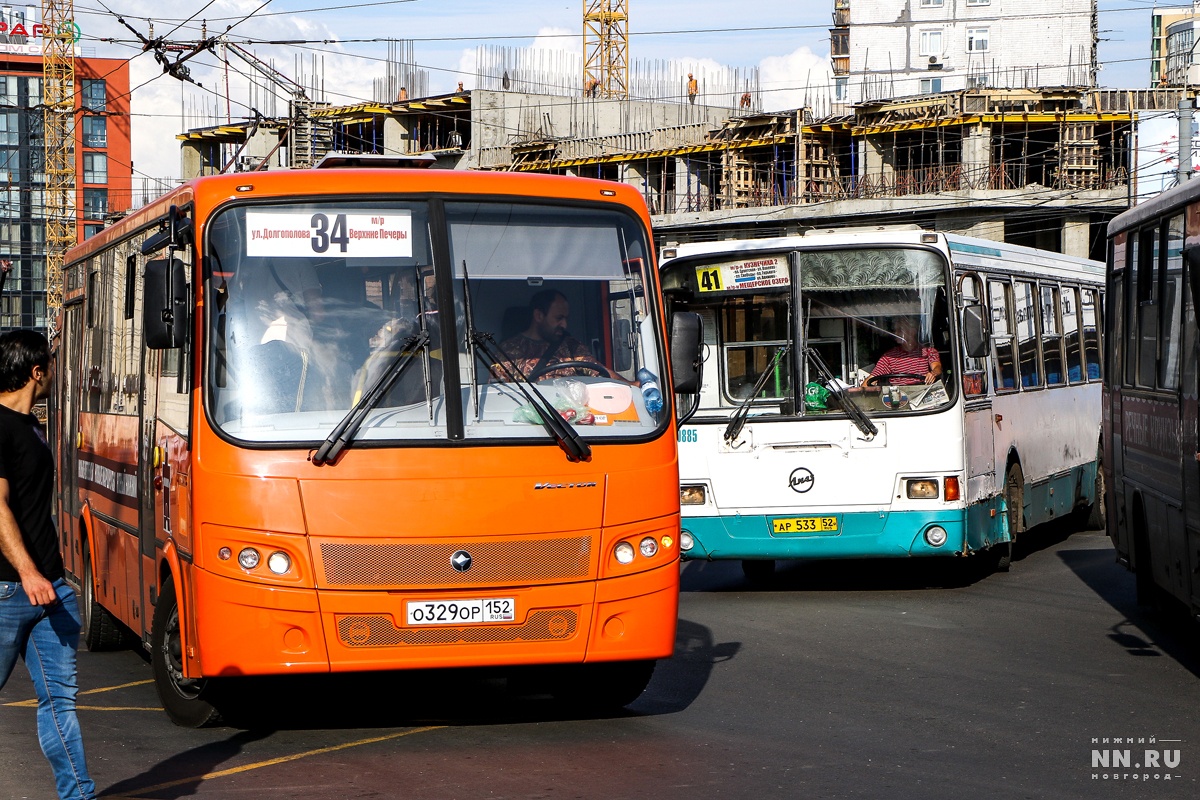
[95, 132]
[841, 88]
[977, 40]
[931, 43]
[95, 168]
[931, 3]
[839, 43]
[95, 203]
[93, 95]
[91, 229]
[979, 2]
[931, 85]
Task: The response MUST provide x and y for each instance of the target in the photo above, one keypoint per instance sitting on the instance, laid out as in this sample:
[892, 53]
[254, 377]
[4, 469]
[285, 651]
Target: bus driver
[907, 360]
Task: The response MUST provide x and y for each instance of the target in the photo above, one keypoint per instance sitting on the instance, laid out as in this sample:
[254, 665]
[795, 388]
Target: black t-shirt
[28, 466]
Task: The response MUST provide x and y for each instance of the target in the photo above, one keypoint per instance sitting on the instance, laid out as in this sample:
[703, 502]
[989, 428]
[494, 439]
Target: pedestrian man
[39, 615]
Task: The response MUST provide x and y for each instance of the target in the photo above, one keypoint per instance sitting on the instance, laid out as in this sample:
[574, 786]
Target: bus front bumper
[866, 534]
[246, 628]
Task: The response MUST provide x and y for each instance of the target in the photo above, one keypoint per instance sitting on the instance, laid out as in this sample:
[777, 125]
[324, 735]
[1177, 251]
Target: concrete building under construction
[1040, 167]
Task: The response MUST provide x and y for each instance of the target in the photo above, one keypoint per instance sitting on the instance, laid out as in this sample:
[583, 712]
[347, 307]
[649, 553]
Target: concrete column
[190, 162]
[972, 226]
[395, 136]
[1077, 237]
[977, 157]
[880, 158]
[683, 185]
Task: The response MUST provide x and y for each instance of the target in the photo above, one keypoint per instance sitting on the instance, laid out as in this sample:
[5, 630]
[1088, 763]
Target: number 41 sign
[352, 234]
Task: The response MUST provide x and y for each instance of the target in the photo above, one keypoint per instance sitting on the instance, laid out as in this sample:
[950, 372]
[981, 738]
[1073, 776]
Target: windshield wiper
[567, 437]
[738, 420]
[848, 403]
[344, 431]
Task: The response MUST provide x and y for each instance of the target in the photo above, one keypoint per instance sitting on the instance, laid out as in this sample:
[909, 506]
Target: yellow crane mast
[606, 48]
[58, 120]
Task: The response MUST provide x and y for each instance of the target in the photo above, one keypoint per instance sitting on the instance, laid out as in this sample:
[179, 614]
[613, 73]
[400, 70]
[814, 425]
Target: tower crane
[606, 48]
[58, 102]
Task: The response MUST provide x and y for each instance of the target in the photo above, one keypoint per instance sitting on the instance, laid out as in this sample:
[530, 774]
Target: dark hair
[544, 299]
[20, 352]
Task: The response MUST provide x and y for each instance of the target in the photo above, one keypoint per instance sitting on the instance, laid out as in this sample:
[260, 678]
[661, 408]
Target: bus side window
[1052, 354]
[974, 379]
[1027, 334]
[1172, 306]
[1000, 300]
[1090, 308]
[1071, 331]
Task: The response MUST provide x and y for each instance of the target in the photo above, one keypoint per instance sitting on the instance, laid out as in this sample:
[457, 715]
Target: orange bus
[298, 431]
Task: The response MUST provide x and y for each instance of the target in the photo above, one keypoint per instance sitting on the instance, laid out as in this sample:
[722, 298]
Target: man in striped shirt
[908, 359]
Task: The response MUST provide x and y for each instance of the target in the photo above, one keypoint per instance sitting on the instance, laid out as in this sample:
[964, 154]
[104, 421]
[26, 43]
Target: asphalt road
[876, 679]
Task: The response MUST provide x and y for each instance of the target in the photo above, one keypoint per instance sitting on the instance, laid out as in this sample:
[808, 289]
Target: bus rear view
[397, 420]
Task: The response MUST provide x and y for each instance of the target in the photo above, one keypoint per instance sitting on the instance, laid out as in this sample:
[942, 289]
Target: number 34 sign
[304, 234]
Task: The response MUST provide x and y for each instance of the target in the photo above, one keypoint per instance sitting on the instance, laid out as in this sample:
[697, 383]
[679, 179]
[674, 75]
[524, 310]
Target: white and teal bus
[989, 426]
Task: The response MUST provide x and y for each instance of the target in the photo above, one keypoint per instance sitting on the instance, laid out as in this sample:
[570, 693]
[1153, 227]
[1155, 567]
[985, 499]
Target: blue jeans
[46, 637]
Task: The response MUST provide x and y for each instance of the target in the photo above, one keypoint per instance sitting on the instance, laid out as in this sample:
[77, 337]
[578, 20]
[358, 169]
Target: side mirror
[1192, 256]
[165, 309]
[974, 329]
[687, 351]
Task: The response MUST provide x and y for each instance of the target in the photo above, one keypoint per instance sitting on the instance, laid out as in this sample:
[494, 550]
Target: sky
[787, 40]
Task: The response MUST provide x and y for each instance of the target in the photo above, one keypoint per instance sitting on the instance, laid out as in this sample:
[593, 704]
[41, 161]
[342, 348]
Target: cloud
[800, 78]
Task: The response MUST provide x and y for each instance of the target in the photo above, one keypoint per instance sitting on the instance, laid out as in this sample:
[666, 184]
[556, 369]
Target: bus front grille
[377, 630]
[404, 566]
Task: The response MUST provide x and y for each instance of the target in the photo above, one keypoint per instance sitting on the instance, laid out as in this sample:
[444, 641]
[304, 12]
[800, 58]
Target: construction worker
[693, 89]
[402, 96]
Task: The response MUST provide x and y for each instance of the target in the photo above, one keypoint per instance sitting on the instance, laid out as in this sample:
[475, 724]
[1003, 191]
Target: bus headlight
[248, 558]
[279, 563]
[624, 553]
[936, 535]
[923, 489]
[691, 495]
[648, 547]
[686, 542]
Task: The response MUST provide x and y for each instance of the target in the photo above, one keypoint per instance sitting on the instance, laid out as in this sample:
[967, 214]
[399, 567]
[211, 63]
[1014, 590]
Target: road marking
[137, 794]
[33, 703]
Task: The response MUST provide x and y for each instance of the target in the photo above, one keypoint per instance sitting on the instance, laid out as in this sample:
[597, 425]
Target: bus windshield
[876, 317]
[312, 306]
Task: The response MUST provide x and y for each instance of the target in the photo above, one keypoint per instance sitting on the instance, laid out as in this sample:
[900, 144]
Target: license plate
[462, 612]
[804, 525]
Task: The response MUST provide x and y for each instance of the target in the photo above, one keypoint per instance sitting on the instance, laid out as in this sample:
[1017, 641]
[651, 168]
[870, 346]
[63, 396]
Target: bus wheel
[1001, 555]
[1097, 520]
[758, 571]
[101, 631]
[603, 687]
[183, 699]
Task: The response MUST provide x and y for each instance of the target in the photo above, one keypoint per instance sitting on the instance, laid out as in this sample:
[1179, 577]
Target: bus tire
[758, 571]
[603, 687]
[101, 630]
[1001, 555]
[1097, 515]
[185, 700]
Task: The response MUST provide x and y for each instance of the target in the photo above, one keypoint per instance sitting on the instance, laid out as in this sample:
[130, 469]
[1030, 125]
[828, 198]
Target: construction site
[1042, 167]
[1046, 167]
